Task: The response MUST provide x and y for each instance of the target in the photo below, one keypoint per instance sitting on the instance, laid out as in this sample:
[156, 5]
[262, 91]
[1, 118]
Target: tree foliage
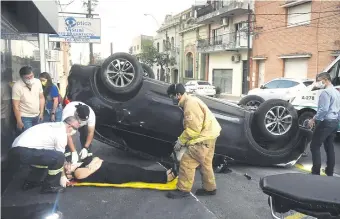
[150, 56]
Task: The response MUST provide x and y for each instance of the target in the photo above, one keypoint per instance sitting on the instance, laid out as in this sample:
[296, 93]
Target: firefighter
[201, 130]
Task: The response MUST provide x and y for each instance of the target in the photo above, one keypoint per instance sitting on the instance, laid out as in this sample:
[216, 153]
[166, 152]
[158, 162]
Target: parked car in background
[200, 87]
[279, 88]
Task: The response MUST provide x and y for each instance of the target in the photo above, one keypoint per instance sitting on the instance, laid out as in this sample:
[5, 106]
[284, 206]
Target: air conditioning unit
[236, 58]
[225, 21]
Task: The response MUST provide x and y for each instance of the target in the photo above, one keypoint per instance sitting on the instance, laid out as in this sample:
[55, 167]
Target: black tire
[251, 102]
[306, 116]
[136, 69]
[148, 72]
[291, 122]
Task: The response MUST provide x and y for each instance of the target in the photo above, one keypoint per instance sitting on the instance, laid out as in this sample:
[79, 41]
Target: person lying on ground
[97, 170]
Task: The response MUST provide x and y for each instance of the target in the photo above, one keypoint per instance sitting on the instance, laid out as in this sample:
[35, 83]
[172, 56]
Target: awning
[32, 16]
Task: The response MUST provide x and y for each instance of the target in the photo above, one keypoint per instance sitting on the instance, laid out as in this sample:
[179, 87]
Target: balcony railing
[220, 9]
[217, 43]
[205, 10]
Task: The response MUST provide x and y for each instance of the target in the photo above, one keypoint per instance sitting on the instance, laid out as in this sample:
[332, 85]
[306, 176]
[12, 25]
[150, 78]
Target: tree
[98, 60]
[151, 56]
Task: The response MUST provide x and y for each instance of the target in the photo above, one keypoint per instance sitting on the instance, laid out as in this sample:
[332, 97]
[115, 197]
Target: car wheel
[148, 72]
[276, 120]
[304, 117]
[251, 102]
[121, 73]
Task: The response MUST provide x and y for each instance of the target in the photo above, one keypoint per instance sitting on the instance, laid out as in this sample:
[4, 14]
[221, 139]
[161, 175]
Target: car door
[285, 89]
[267, 91]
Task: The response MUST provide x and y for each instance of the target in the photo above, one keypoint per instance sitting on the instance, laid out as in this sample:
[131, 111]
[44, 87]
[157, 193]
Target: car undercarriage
[134, 114]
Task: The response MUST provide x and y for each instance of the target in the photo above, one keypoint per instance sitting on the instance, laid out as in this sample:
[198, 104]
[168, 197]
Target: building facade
[136, 47]
[192, 64]
[223, 44]
[294, 39]
[167, 42]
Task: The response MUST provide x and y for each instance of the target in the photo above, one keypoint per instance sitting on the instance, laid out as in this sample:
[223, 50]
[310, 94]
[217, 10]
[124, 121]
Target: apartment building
[167, 41]
[294, 39]
[223, 44]
[136, 47]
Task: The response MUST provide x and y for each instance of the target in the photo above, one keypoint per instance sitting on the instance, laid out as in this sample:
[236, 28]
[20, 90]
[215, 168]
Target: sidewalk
[234, 99]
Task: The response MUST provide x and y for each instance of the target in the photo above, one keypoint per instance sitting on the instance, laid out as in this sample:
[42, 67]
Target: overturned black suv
[134, 113]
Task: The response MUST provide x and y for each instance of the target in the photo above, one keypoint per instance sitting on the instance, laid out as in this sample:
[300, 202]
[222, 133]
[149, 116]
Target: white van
[306, 101]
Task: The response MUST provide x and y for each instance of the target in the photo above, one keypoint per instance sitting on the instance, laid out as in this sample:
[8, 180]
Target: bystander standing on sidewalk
[28, 99]
[53, 109]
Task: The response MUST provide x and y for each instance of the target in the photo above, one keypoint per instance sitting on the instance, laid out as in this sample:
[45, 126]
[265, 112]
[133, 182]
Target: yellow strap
[137, 185]
[55, 172]
[39, 166]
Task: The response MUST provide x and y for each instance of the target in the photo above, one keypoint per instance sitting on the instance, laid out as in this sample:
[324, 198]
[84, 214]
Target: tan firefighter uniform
[201, 130]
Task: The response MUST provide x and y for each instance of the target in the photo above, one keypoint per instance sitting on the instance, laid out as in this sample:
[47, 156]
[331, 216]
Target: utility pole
[89, 15]
[111, 46]
[248, 47]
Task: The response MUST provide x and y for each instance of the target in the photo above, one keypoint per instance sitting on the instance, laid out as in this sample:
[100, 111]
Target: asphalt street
[237, 197]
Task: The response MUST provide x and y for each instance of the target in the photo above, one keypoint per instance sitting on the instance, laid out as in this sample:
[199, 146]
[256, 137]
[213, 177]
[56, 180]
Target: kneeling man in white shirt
[43, 146]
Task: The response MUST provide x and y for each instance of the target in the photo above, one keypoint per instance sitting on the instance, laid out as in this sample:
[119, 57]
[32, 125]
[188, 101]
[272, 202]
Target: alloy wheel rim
[120, 72]
[278, 120]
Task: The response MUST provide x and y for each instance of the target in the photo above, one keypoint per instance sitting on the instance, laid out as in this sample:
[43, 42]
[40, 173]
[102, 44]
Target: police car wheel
[304, 117]
[122, 73]
[276, 120]
[147, 70]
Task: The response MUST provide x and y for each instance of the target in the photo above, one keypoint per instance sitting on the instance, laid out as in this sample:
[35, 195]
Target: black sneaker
[177, 194]
[203, 192]
[52, 189]
[30, 185]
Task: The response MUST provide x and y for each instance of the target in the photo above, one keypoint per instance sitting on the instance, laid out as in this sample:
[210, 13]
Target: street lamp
[153, 18]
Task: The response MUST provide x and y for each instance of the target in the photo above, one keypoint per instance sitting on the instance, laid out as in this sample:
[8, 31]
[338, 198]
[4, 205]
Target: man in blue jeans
[327, 121]
[28, 100]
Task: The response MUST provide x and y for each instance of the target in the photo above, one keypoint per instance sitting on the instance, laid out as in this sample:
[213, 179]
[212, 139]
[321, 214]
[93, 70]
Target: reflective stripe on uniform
[187, 135]
[55, 172]
[39, 166]
[194, 141]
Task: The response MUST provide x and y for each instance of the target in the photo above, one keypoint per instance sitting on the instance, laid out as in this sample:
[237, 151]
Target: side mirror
[262, 87]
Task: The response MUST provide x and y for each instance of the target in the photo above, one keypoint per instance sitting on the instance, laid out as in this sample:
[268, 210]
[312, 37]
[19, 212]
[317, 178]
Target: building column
[42, 49]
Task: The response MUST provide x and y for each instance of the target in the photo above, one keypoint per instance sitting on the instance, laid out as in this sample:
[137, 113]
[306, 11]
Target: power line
[285, 26]
[311, 12]
[67, 4]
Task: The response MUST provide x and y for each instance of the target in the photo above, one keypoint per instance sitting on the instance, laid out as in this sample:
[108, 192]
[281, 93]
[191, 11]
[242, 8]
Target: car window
[287, 84]
[272, 84]
[307, 83]
[203, 83]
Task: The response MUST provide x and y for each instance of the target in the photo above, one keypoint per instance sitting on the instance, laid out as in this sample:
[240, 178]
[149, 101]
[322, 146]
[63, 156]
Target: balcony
[226, 42]
[214, 12]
